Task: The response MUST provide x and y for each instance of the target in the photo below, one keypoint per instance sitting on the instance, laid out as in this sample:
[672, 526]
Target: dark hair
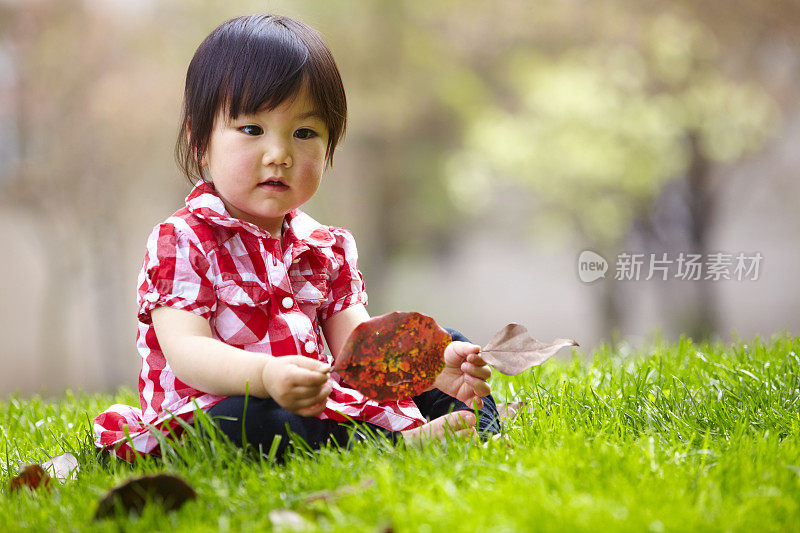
[253, 62]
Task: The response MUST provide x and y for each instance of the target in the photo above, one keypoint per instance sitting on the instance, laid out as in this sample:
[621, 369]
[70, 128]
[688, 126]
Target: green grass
[674, 437]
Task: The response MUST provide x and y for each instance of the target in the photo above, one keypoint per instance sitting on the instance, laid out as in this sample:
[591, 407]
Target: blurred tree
[82, 122]
[399, 129]
[595, 131]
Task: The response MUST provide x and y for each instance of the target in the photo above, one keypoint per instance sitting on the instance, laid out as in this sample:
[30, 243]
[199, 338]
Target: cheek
[312, 167]
[312, 179]
[241, 160]
[227, 160]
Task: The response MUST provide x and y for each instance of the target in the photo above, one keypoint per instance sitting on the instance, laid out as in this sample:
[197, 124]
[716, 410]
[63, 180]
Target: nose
[277, 152]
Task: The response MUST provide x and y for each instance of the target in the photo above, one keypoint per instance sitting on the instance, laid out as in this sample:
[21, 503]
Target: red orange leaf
[393, 356]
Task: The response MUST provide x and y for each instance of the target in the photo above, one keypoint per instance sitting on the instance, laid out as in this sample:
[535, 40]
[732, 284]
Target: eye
[305, 133]
[251, 130]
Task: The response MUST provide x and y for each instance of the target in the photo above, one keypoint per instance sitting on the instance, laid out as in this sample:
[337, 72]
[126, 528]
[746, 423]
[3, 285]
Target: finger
[480, 372]
[310, 391]
[303, 377]
[466, 433]
[313, 399]
[464, 349]
[471, 399]
[477, 403]
[310, 364]
[476, 359]
[480, 387]
[464, 419]
[313, 410]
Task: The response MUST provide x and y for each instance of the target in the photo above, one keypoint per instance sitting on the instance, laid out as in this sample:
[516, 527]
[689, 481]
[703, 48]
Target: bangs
[263, 70]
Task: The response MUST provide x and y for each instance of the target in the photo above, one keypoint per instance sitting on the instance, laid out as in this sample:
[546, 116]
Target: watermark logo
[683, 266]
[591, 266]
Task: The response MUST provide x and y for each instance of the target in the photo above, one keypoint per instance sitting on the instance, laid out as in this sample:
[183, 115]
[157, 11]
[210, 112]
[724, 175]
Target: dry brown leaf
[32, 476]
[512, 350]
[63, 467]
[169, 491]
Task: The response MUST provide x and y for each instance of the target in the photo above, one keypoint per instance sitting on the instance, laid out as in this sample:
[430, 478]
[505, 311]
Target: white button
[287, 302]
[311, 347]
[151, 297]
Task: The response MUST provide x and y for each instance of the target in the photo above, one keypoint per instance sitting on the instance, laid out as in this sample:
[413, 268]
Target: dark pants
[264, 419]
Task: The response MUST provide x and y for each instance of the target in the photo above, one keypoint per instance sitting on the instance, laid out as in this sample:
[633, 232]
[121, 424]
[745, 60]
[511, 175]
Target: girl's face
[266, 164]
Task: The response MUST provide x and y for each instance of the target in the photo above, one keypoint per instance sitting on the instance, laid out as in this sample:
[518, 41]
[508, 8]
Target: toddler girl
[238, 285]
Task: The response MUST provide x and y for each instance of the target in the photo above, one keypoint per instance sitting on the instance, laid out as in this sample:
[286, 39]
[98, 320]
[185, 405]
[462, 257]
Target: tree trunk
[104, 266]
[61, 272]
[611, 308]
[703, 322]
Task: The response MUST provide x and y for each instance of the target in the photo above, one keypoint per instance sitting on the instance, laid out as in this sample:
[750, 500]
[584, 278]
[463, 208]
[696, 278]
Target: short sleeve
[346, 284]
[175, 274]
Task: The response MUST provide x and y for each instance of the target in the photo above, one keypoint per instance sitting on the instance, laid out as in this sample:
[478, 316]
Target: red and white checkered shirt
[256, 296]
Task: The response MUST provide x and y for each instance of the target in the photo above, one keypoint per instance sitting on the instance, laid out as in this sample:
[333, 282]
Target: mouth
[275, 184]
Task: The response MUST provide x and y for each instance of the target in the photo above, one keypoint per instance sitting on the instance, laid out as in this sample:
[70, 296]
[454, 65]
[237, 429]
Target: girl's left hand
[465, 373]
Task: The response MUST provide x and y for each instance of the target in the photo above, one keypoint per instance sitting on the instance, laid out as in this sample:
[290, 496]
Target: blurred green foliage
[595, 131]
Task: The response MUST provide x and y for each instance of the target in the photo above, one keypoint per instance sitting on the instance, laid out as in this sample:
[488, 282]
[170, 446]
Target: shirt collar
[204, 203]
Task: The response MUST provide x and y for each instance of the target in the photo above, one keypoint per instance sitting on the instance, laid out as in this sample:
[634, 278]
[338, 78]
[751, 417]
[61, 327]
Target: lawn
[672, 437]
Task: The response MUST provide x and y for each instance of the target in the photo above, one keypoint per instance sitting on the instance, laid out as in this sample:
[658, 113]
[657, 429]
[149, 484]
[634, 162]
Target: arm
[296, 383]
[339, 326]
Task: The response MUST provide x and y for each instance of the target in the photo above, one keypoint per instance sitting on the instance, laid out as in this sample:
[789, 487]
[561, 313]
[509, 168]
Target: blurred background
[488, 145]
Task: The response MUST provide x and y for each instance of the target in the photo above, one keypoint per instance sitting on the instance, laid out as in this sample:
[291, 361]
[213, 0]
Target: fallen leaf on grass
[169, 491]
[31, 476]
[63, 467]
[396, 355]
[512, 350]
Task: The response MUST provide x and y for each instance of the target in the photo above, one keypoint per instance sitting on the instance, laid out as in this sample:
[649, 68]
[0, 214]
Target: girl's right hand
[298, 384]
